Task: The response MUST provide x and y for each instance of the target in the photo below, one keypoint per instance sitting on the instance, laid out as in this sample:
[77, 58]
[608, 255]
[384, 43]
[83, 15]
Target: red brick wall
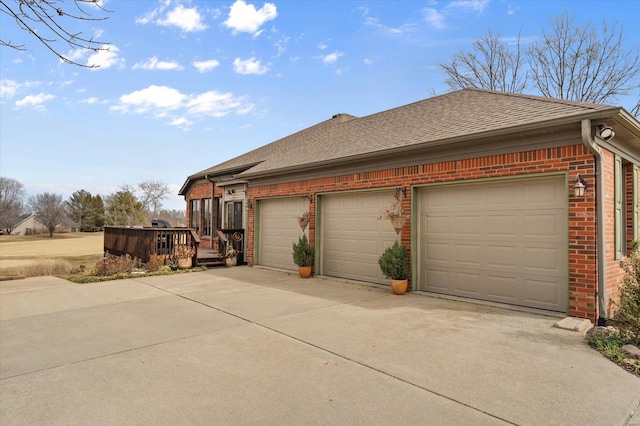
[573, 159]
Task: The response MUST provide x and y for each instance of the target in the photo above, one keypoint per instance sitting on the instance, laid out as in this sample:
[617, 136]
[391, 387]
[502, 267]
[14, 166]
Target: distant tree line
[132, 205]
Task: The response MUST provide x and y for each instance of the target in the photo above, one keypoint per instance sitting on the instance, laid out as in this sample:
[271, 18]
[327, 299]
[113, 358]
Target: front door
[234, 215]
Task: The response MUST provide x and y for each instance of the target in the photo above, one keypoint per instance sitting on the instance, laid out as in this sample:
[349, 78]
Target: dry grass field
[19, 253]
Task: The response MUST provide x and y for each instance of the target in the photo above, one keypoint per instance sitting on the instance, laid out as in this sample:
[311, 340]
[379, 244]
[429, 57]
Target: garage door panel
[352, 237]
[541, 294]
[467, 225]
[507, 244]
[502, 288]
[467, 254]
[467, 283]
[542, 260]
[436, 225]
[499, 257]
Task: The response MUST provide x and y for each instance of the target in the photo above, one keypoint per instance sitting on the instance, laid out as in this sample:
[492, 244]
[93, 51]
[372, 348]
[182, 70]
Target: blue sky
[189, 84]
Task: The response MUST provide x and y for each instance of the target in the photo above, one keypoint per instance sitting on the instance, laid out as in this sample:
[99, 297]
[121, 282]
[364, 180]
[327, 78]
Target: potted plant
[394, 264]
[303, 255]
[230, 255]
[184, 254]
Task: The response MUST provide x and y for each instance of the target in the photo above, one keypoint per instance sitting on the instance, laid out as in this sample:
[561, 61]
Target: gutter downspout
[592, 146]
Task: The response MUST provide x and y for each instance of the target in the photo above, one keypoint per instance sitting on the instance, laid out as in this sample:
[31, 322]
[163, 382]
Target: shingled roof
[466, 113]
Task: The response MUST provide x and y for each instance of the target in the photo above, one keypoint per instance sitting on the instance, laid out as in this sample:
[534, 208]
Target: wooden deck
[142, 243]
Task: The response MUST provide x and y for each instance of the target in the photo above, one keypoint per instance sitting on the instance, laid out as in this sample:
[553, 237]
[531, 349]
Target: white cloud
[368, 61]
[332, 57]
[245, 18]
[154, 64]
[180, 108]
[90, 101]
[474, 5]
[154, 98]
[107, 58]
[181, 122]
[187, 19]
[216, 104]
[281, 45]
[35, 101]
[392, 31]
[249, 66]
[322, 46]
[204, 66]
[8, 88]
[433, 18]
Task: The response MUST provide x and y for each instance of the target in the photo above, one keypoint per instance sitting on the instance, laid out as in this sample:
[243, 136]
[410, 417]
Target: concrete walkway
[253, 346]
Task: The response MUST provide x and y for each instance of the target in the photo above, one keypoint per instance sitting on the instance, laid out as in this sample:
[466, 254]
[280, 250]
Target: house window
[618, 214]
[195, 215]
[206, 217]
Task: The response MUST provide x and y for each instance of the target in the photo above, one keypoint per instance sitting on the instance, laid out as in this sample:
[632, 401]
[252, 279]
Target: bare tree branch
[490, 65]
[581, 64]
[43, 19]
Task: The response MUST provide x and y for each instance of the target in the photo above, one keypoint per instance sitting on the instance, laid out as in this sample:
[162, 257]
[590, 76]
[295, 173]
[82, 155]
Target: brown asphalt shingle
[456, 114]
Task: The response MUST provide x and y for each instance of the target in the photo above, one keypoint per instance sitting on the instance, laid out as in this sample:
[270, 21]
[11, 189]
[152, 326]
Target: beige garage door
[503, 241]
[278, 230]
[352, 236]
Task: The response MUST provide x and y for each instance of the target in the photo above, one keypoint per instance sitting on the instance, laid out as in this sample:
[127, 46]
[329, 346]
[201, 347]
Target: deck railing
[142, 243]
[233, 237]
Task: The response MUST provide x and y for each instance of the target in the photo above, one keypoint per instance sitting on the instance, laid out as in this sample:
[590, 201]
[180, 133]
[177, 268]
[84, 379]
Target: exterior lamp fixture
[580, 187]
[606, 132]
[249, 205]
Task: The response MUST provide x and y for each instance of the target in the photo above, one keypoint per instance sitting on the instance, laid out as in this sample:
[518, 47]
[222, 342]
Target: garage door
[352, 237]
[504, 241]
[278, 230]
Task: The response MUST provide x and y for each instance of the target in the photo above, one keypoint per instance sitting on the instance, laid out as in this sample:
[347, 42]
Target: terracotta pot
[304, 271]
[231, 261]
[399, 287]
[184, 263]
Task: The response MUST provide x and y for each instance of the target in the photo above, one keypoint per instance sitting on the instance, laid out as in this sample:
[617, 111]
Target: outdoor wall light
[400, 189]
[231, 191]
[249, 205]
[606, 132]
[580, 187]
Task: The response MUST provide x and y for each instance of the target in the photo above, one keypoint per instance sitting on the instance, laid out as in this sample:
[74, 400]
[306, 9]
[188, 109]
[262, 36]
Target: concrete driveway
[254, 346]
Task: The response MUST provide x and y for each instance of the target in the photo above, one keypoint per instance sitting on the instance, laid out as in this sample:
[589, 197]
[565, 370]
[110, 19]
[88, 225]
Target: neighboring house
[28, 224]
[486, 180]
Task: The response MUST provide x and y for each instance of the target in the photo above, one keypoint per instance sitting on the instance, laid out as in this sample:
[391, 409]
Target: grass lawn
[19, 253]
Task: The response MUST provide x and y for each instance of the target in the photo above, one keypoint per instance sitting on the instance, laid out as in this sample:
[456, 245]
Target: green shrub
[303, 253]
[394, 262]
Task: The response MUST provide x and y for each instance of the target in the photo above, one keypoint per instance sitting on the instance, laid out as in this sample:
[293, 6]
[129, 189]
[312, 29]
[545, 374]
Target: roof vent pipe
[592, 146]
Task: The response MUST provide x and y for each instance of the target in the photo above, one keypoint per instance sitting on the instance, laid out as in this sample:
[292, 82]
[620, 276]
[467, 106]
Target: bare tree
[151, 193]
[492, 64]
[47, 21]
[576, 62]
[11, 197]
[48, 209]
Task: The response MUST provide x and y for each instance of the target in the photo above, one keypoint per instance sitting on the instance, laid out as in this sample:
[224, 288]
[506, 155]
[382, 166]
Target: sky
[186, 85]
